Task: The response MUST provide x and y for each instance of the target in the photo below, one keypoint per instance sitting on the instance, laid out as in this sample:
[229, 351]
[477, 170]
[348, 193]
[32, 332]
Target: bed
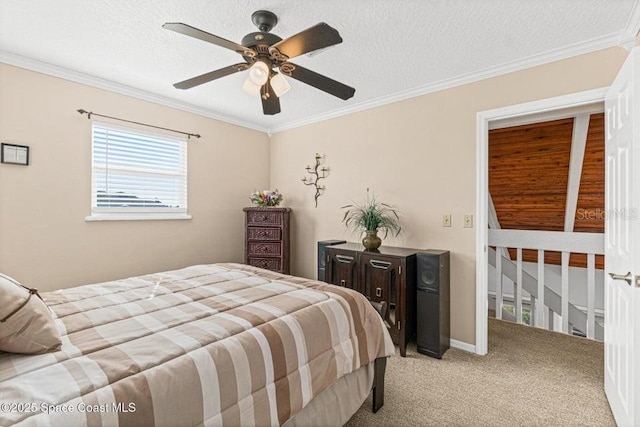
[219, 344]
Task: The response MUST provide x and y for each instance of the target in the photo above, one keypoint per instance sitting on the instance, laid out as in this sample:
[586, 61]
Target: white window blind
[138, 172]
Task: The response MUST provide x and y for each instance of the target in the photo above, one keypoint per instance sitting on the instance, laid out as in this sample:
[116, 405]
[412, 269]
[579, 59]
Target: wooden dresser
[266, 243]
[387, 277]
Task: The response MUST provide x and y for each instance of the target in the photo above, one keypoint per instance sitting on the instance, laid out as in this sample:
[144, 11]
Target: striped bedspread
[221, 344]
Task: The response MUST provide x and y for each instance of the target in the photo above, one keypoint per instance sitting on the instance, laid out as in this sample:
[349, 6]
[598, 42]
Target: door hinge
[399, 270]
[399, 325]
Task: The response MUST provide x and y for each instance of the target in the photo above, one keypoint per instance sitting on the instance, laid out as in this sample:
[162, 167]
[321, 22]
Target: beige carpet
[530, 377]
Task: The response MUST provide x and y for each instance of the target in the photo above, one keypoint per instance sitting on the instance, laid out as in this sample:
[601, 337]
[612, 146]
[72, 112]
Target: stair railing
[544, 298]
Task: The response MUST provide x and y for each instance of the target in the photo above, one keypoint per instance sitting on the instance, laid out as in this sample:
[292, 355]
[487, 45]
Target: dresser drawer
[259, 233]
[266, 243]
[265, 218]
[273, 264]
[264, 248]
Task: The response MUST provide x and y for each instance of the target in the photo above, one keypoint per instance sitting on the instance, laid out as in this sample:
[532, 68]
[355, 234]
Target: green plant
[372, 215]
[526, 313]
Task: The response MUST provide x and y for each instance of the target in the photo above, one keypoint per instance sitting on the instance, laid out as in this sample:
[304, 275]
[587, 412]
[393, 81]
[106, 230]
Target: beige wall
[44, 239]
[419, 155]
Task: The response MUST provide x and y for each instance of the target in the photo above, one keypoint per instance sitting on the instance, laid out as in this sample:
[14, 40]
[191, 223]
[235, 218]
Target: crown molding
[509, 67]
[630, 32]
[100, 83]
[621, 38]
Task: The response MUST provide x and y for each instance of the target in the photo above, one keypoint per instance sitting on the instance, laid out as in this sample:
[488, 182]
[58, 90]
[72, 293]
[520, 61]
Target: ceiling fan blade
[270, 104]
[212, 75]
[318, 81]
[313, 38]
[188, 30]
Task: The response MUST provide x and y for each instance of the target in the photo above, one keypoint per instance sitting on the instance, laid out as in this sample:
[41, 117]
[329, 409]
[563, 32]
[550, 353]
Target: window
[137, 175]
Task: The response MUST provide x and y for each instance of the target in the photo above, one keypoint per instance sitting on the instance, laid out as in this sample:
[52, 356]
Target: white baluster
[499, 302]
[518, 287]
[540, 300]
[565, 292]
[591, 295]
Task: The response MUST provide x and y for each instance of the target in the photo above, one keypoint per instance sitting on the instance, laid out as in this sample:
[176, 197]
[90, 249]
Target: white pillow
[26, 324]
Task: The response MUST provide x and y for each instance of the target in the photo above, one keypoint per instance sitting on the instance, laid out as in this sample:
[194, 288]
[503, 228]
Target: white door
[622, 249]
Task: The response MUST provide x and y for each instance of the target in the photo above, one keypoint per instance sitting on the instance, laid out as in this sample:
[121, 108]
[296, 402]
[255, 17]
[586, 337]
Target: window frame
[137, 213]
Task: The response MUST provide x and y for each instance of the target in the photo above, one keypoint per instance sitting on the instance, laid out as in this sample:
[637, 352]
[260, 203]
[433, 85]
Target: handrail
[560, 241]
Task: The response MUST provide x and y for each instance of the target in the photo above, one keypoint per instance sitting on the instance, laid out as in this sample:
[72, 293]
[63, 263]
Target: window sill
[136, 217]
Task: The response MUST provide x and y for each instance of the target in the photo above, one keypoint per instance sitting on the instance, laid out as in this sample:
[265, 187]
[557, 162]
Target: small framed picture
[15, 154]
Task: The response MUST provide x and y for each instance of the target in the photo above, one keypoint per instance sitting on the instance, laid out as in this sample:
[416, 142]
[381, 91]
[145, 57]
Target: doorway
[531, 112]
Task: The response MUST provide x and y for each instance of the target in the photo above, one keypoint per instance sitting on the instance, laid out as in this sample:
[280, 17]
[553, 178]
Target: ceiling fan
[263, 53]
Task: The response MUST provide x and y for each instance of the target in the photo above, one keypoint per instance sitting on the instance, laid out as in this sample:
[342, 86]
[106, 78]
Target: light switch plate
[446, 220]
[468, 221]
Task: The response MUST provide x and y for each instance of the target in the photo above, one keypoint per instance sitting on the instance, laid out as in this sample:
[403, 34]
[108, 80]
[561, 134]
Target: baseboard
[463, 346]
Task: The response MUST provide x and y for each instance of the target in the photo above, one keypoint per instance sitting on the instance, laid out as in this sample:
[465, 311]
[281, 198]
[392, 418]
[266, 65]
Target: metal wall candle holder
[316, 174]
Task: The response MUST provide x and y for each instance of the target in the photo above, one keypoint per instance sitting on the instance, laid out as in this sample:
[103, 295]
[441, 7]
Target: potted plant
[369, 217]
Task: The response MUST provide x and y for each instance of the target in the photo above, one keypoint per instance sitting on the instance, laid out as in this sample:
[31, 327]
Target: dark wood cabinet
[386, 276]
[342, 267]
[267, 238]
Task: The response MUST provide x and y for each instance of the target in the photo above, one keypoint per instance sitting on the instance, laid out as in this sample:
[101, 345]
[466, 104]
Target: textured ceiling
[391, 48]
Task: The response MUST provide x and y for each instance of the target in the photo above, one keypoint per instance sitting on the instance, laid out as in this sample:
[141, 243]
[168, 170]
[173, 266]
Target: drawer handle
[343, 283]
[345, 259]
[380, 264]
[378, 292]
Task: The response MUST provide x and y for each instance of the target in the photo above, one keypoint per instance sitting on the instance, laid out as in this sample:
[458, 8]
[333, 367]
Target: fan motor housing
[258, 38]
[260, 43]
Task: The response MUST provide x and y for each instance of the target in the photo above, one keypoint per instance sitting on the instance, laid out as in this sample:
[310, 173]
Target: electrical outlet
[468, 221]
[446, 220]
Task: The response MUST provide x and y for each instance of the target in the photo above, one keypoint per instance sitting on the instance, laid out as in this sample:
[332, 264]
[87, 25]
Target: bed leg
[380, 366]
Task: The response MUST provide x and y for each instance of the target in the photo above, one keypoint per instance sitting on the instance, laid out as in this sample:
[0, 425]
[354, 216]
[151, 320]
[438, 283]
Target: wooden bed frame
[380, 365]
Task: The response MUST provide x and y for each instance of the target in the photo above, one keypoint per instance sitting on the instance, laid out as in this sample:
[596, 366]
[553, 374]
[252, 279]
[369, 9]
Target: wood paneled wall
[528, 176]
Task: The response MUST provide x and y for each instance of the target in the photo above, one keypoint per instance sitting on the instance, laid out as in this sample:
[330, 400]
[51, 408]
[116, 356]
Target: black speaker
[432, 302]
[321, 259]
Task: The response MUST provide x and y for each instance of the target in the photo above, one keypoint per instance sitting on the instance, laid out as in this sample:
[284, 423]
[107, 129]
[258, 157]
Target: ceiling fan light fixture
[250, 87]
[259, 73]
[263, 53]
[280, 85]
